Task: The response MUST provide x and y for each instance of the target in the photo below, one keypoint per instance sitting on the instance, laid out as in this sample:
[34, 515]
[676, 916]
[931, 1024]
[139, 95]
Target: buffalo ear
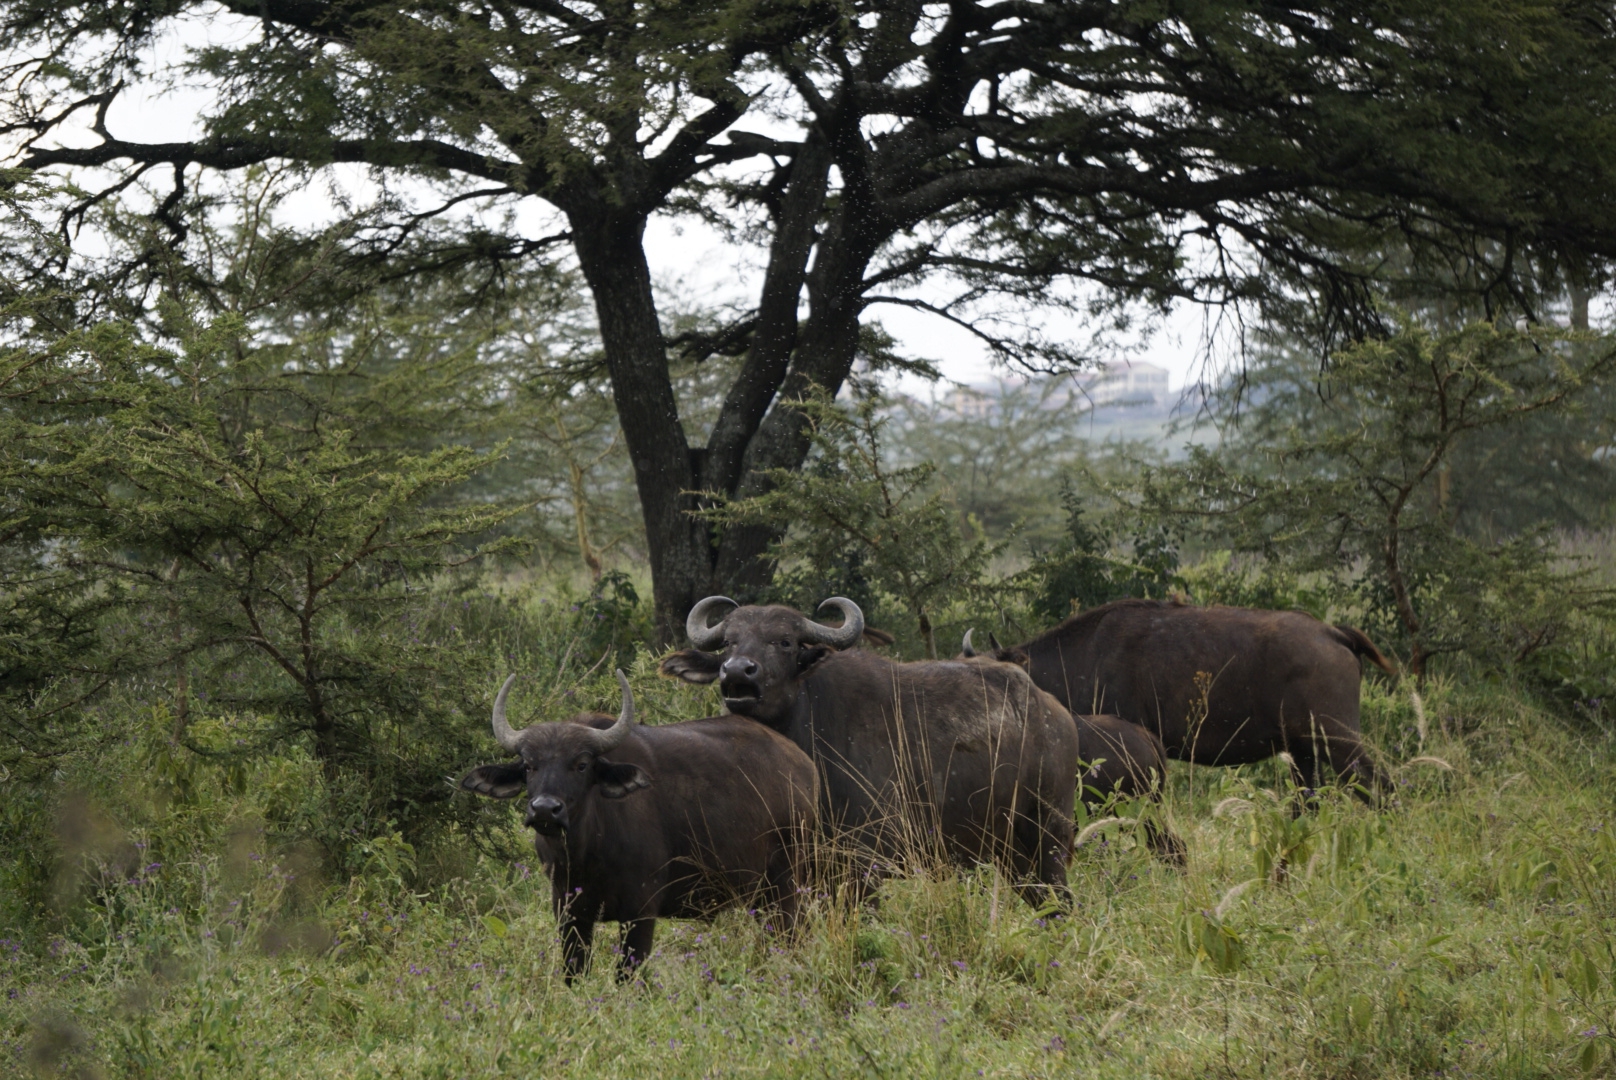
[692, 665]
[878, 637]
[496, 781]
[809, 656]
[1016, 657]
[617, 779]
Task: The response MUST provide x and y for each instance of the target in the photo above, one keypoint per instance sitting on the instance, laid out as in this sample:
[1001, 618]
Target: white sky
[703, 265]
[687, 258]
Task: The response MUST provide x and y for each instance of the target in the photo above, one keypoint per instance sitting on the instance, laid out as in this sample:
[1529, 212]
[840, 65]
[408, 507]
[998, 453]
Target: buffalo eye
[787, 643]
[581, 765]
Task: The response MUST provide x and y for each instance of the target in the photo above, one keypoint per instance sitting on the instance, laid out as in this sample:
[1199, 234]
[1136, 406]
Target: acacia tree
[1348, 474]
[1227, 151]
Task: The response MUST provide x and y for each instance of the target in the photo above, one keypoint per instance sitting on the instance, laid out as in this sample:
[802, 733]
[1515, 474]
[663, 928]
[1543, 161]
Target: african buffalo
[1118, 758]
[681, 820]
[1219, 685]
[960, 756]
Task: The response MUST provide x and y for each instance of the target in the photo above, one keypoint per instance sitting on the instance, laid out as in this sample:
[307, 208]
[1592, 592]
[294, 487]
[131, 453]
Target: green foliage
[1082, 571]
[1345, 475]
[264, 499]
[886, 527]
[1350, 155]
[247, 500]
[1218, 577]
[1001, 453]
[614, 619]
[271, 536]
[1203, 936]
[1466, 931]
[1550, 468]
[1580, 669]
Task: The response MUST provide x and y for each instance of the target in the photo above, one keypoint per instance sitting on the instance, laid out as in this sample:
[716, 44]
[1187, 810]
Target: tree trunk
[774, 342]
[611, 254]
[757, 430]
[1402, 598]
[580, 516]
[826, 350]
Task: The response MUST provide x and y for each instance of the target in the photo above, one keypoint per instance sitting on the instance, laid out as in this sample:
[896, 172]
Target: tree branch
[229, 155]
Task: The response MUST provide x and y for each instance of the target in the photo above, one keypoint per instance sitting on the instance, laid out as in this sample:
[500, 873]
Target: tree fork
[826, 350]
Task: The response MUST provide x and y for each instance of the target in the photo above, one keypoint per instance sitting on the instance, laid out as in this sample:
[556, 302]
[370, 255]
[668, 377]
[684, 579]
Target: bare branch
[230, 155]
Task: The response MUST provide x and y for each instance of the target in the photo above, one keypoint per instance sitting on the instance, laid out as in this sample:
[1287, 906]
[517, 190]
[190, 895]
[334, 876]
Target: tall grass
[1467, 929]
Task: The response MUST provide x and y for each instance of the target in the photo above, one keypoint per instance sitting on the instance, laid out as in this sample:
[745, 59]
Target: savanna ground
[1468, 929]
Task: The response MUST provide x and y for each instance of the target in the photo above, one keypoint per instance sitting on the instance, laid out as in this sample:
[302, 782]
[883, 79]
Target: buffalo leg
[1164, 843]
[637, 938]
[1305, 779]
[575, 920]
[1343, 747]
[1161, 840]
[577, 936]
[1046, 836]
[862, 869]
[781, 891]
[1350, 759]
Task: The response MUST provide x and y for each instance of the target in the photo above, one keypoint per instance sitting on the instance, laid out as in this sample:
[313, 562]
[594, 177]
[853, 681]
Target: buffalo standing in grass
[680, 820]
[913, 756]
[1219, 685]
[1119, 758]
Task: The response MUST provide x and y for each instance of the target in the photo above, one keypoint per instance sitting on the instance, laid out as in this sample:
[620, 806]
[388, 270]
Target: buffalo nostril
[736, 666]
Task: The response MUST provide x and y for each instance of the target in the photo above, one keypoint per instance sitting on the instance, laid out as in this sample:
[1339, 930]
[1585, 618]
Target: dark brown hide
[676, 821]
[1270, 681]
[1125, 759]
[1117, 758]
[946, 755]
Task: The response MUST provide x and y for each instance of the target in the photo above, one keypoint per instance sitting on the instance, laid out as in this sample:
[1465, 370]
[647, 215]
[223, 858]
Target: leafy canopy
[1348, 472]
[851, 507]
[1096, 157]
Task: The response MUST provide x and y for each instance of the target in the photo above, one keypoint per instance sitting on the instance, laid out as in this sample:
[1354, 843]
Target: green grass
[1467, 930]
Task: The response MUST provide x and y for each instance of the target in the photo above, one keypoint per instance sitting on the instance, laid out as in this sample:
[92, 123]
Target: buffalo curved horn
[840, 637]
[700, 634]
[503, 734]
[612, 736]
[993, 639]
[965, 646]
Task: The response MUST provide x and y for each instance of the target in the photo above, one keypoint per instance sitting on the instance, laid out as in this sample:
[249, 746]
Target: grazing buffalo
[953, 758]
[1219, 685]
[1117, 758]
[679, 821]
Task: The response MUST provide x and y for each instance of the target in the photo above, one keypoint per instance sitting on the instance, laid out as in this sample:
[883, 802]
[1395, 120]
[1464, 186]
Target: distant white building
[973, 402]
[1136, 382]
[1139, 387]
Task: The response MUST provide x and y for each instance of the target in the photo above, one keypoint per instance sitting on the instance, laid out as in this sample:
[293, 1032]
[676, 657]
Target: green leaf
[1582, 975]
[1360, 1012]
[1589, 1056]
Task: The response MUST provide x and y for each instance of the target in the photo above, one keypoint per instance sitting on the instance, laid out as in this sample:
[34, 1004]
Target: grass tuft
[1466, 928]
